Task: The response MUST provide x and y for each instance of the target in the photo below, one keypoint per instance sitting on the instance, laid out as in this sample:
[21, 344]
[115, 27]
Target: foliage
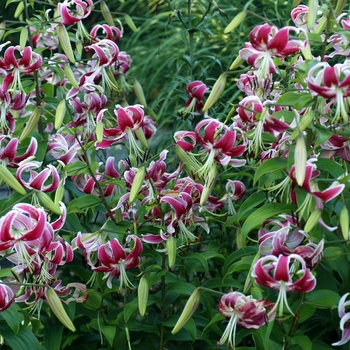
[146, 210]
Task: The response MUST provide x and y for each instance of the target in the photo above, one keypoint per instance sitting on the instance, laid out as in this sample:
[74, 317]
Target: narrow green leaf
[260, 215]
[79, 204]
[11, 316]
[251, 202]
[270, 166]
[182, 288]
[323, 299]
[290, 98]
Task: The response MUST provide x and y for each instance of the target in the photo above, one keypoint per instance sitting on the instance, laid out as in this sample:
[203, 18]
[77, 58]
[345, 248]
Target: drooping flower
[7, 296]
[344, 320]
[195, 90]
[285, 274]
[73, 11]
[243, 311]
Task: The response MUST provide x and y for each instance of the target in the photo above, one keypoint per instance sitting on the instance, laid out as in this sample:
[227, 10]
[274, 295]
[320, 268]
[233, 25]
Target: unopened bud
[60, 113]
[106, 13]
[321, 25]
[216, 91]
[70, 75]
[142, 295]
[171, 249]
[312, 14]
[344, 222]
[2, 29]
[209, 184]
[300, 157]
[57, 308]
[188, 159]
[31, 124]
[23, 37]
[137, 184]
[236, 22]
[63, 37]
[9, 179]
[188, 311]
[99, 131]
[139, 92]
[48, 203]
[236, 63]
[19, 9]
[312, 220]
[130, 23]
[141, 137]
[305, 121]
[59, 194]
[340, 7]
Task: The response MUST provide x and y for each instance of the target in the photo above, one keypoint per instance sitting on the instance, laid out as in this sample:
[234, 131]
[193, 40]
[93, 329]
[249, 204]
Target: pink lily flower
[243, 311]
[122, 65]
[286, 274]
[299, 16]
[344, 320]
[337, 145]
[110, 32]
[187, 140]
[72, 11]
[115, 261]
[38, 181]
[64, 147]
[250, 84]
[267, 42]
[331, 82]
[7, 296]
[195, 90]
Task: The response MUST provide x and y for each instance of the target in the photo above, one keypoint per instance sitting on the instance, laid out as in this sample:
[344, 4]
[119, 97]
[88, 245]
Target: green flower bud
[70, 75]
[60, 113]
[99, 131]
[237, 62]
[188, 311]
[57, 308]
[59, 194]
[139, 92]
[63, 37]
[209, 184]
[305, 121]
[19, 9]
[9, 179]
[142, 295]
[23, 37]
[312, 220]
[216, 92]
[2, 29]
[312, 14]
[31, 124]
[137, 184]
[236, 22]
[48, 203]
[141, 137]
[300, 157]
[188, 159]
[130, 23]
[344, 222]
[106, 13]
[171, 249]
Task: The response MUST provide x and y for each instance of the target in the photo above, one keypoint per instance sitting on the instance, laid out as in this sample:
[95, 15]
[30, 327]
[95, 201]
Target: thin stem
[162, 315]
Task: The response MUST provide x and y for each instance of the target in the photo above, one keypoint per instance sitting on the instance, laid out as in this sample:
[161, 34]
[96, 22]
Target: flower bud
[31, 124]
[63, 37]
[216, 92]
[300, 157]
[188, 311]
[235, 22]
[60, 113]
[321, 25]
[137, 184]
[99, 131]
[340, 7]
[237, 62]
[187, 159]
[130, 23]
[2, 29]
[19, 9]
[59, 194]
[139, 92]
[209, 184]
[305, 121]
[57, 308]
[141, 137]
[9, 179]
[106, 13]
[312, 220]
[23, 37]
[312, 14]
[70, 75]
[171, 249]
[344, 222]
[142, 295]
[48, 203]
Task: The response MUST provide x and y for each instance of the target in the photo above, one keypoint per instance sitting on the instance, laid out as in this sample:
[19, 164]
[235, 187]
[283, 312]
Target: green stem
[162, 315]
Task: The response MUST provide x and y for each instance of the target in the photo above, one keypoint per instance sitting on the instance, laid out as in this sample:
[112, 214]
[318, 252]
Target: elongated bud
[106, 13]
[9, 179]
[31, 124]
[2, 29]
[137, 184]
[113, 82]
[216, 91]
[19, 9]
[130, 23]
[188, 311]
[171, 249]
[133, 160]
[209, 184]
[307, 52]
[59, 194]
[142, 295]
[340, 7]
[139, 92]
[321, 25]
[312, 14]
[60, 113]
[300, 157]
[70, 75]
[141, 137]
[188, 159]
[237, 62]
[57, 308]
[312, 220]
[99, 131]
[48, 203]
[305, 121]
[344, 222]
[236, 22]
[23, 37]
[65, 42]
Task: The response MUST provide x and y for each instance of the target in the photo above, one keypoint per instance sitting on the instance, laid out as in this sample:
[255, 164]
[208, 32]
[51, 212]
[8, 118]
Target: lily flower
[243, 311]
[344, 320]
[64, 148]
[6, 296]
[110, 32]
[114, 260]
[73, 11]
[331, 82]
[195, 90]
[285, 274]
